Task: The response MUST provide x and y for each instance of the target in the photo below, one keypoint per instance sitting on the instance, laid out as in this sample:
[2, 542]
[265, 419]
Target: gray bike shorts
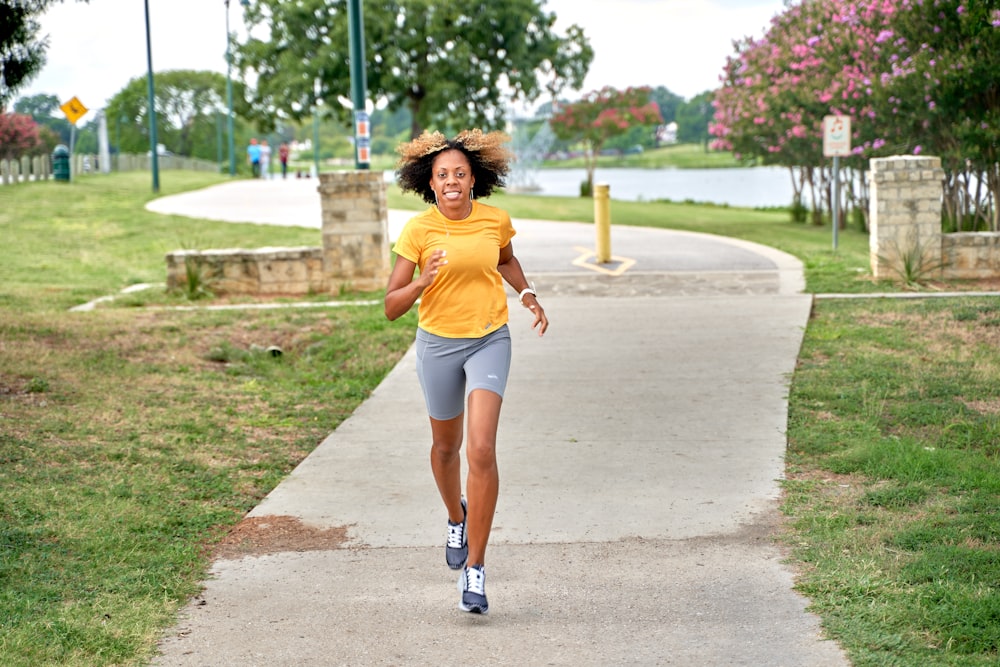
[450, 368]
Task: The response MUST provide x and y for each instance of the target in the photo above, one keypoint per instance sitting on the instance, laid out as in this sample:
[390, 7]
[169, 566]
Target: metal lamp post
[316, 91]
[359, 93]
[229, 90]
[153, 152]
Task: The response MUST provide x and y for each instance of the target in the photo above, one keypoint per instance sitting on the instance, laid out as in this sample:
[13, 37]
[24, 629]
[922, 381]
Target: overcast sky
[95, 49]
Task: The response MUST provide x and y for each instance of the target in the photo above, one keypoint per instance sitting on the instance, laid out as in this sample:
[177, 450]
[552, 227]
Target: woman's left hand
[540, 321]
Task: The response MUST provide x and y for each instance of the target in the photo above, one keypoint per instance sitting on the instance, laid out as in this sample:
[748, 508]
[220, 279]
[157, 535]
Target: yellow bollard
[602, 221]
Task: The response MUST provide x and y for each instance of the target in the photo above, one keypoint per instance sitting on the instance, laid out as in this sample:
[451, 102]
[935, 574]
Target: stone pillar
[905, 216]
[355, 230]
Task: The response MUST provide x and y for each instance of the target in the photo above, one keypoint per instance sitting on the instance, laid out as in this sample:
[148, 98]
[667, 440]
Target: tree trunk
[415, 98]
[591, 162]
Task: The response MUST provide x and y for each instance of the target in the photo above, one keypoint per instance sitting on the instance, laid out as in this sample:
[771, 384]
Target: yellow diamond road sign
[74, 110]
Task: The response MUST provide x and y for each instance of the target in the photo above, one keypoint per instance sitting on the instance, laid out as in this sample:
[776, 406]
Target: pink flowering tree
[18, 135]
[914, 76]
[942, 98]
[814, 61]
[601, 115]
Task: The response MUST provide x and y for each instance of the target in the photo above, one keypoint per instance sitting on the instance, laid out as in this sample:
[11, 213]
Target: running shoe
[456, 551]
[472, 585]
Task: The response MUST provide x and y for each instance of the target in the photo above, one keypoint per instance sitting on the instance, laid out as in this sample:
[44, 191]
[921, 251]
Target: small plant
[798, 210]
[226, 352]
[196, 280]
[197, 277]
[859, 219]
[912, 264]
[37, 385]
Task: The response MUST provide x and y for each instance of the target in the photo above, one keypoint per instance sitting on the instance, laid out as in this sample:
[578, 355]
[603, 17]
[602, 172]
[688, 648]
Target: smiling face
[452, 182]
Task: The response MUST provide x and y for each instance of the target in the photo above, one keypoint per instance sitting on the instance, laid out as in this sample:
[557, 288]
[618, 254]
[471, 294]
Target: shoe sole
[474, 609]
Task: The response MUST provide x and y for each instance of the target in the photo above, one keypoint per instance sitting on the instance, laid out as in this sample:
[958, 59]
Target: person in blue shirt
[253, 157]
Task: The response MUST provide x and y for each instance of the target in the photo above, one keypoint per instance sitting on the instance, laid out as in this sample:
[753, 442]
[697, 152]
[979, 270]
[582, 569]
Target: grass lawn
[678, 156]
[133, 438]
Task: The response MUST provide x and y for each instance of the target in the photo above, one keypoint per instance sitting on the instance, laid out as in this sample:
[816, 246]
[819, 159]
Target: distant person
[253, 158]
[283, 158]
[464, 254]
[265, 160]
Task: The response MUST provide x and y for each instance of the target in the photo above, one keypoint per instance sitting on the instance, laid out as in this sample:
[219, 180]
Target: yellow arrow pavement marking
[623, 264]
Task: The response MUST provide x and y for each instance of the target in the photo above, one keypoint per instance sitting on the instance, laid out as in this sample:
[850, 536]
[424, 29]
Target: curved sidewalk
[640, 448]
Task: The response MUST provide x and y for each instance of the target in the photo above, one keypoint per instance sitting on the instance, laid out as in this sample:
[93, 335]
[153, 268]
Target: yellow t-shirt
[467, 298]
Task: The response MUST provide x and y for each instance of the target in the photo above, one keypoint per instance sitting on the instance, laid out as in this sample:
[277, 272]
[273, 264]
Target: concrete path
[640, 447]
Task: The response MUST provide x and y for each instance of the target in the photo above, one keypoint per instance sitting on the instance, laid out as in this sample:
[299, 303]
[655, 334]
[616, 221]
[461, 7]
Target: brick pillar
[355, 230]
[905, 215]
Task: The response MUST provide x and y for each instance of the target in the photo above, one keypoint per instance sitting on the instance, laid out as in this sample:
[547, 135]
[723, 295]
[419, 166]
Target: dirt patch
[260, 535]
[986, 407]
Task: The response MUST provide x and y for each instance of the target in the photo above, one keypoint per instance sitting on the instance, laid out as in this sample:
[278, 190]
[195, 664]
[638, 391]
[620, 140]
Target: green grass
[678, 156]
[68, 243]
[893, 489]
[133, 438]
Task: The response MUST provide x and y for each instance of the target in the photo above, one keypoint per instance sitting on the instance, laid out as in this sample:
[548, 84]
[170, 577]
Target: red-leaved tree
[18, 135]
[602, 115]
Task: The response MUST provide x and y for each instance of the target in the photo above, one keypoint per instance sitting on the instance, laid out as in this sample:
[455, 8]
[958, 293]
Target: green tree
[668, 102]
[38, 106]
[22, 49]
[452, 63]
[189, 107]
[601, 115]
[693, 118]
[46, 112]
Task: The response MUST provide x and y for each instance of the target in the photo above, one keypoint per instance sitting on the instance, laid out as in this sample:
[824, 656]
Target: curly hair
[487, 155]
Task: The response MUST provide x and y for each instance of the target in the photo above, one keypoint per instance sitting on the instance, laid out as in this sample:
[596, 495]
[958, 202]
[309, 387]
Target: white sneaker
[472, 586]
[456, 550]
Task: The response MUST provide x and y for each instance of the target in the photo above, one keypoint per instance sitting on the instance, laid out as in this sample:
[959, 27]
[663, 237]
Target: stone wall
[354, 255]
[263, 271]
[971, 255]
[905, 237]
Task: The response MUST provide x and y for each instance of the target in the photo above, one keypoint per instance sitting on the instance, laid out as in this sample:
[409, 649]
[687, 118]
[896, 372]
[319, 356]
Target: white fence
[39, 167]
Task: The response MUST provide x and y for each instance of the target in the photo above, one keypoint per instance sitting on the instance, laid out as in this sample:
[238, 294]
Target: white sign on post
[836, 136]
[836, 144]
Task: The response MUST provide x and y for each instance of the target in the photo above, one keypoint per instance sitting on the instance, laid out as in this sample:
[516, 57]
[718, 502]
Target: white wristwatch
[526, 290]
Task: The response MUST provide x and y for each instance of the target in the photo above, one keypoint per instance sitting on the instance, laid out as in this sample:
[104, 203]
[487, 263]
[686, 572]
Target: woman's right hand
[433, 267]
[403, 289]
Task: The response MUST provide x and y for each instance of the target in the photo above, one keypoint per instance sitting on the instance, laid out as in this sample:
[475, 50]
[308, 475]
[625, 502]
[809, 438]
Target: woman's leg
[446, 463]
[484, 478]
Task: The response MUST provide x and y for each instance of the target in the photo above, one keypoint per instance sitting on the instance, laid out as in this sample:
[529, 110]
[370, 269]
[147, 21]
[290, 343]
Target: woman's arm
[404, 289]
[510, 268]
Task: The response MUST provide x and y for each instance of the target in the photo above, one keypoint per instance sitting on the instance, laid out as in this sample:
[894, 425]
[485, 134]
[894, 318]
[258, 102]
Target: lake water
[753, 187]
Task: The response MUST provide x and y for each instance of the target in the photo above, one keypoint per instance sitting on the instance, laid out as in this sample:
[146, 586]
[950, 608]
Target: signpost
[836, 143]
[74, 110]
